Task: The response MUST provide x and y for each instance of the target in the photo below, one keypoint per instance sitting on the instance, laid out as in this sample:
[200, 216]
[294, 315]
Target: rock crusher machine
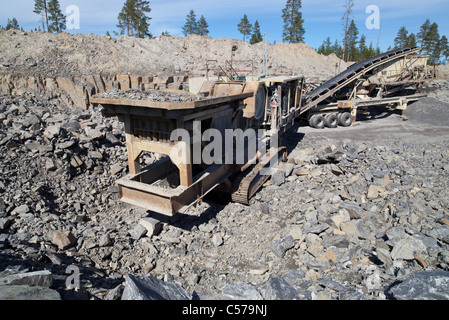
[269, 105]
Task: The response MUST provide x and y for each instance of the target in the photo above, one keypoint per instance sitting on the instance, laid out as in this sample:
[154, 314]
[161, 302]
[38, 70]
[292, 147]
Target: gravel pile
[429, 110]
[159, 96]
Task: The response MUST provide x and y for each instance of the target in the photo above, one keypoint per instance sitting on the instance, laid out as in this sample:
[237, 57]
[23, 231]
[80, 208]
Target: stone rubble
[349, 219]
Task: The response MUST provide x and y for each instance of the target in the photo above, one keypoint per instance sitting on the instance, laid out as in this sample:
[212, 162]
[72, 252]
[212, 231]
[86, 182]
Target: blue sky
[322, 17]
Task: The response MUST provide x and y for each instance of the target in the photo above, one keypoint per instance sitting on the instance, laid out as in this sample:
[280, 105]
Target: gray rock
[355, 228]
[278, 289]
[424, 285]
[112, 138]
[217, 239]
[115, 293]
[353, 208]
[334, 285]
[152, 225]
[105, 240]
[22, 209]
[50, 165]
[137, 232]
[28, 293]
[53, 131]
[278, 177]
[405, 248]
[240, 291]
[279, 247]
[5, 223]
[353, 294]
[36, 278]
[150, 288]
[63, 240]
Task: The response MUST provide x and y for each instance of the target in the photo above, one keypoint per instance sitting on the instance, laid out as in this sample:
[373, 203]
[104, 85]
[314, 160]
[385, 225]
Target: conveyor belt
[353, 73]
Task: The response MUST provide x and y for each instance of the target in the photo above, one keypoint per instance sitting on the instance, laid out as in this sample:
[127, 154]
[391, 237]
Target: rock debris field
[356, 213]
[344, 218]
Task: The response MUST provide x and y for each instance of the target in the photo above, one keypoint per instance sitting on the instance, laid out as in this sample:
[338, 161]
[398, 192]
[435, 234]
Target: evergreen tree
[125, 18]
[337, 49]
[293, 22]
[326, 47]
[411, 41]
[352, 41]
[371, 51]
[191, 25]
[12, 24]
[202, 27]
[442, 47]
[133, 18]
[41, 7]
[401, 39]
[55, 17]
[346, 18]
[257, 35]
[433, 43]
[245, 27]
[142, 21]
[363, 49]
[423, 33]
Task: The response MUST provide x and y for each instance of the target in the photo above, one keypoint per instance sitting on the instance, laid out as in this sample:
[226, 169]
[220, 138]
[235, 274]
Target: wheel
[345, 119]
[317, 121]
[331, 120]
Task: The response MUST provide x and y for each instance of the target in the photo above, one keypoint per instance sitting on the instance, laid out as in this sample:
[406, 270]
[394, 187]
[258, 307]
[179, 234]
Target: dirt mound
[64, 54]
[429, 110]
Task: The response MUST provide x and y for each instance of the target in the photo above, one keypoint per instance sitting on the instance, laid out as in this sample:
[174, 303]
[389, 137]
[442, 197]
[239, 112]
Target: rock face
[424, 285]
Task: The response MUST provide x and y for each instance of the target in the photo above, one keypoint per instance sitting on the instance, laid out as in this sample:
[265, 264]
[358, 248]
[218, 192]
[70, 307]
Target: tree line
[356, 49]
[428, 38]
[133, 20]
[52, 18]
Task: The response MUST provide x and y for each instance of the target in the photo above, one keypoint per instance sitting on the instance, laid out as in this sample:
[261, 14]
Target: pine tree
[401, 39]
[352, 41]
[257, 35]
[41, 7]
[346, 18]
[202, 27]
[55, 16]
[133, 18]
[363, 49]
[245, 27]
[411, 41]
[141, 20]
[433, 43]
[441, 48]
[326, 47]
[293, 22]
[371, 51]
[126, 17]
[444, 46]
[12, 24]
[337, 49]
[191, 25]
[423, 33]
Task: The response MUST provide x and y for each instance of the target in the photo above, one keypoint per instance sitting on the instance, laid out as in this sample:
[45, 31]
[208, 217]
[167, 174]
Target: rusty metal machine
[268, 106]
